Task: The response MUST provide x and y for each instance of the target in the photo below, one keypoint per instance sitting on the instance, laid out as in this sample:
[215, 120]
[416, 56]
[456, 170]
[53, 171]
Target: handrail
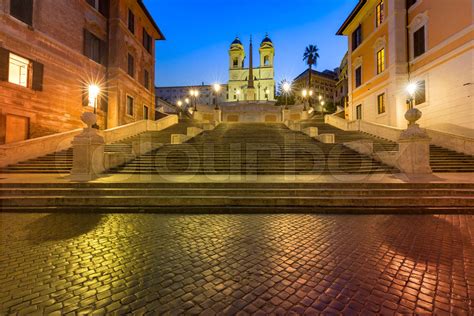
[458, 143]
[37, 147]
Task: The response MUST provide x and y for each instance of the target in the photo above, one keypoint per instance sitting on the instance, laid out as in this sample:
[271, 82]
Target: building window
[131, 66]
[266, 61]
[236, 62]
[419, 42]
[381, 61]
[358, 76]
[359, 112]
[147, 41]
[22, 10]
[379, 14]
[131, 21]
[130, 105]
[381, 103]
[146, 112]
[18, 70]
[94, 48]
[410, 3]
[357, 37]
[146, 79]
[420, 96]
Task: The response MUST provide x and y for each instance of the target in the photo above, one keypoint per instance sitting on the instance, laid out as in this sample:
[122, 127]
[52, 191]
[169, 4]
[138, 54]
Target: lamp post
[94, 92]
[304, 93]
[217, 89]
[411, 89]
[194, 94]
[286, 90]
[180, 104]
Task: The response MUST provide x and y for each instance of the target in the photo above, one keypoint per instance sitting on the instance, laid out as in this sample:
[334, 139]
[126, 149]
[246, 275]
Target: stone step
[311, 192]
[95, 202]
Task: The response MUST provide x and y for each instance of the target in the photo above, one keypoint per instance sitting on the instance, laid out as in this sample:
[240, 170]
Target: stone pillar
[414, 147]
[88, 151]
[217, 115]
[285, 115]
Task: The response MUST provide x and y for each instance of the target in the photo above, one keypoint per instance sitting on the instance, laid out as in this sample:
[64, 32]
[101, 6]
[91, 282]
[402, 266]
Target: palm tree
[311, 55]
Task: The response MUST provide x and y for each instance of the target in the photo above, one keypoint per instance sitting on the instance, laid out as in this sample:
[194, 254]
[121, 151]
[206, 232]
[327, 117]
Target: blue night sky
[199, 32]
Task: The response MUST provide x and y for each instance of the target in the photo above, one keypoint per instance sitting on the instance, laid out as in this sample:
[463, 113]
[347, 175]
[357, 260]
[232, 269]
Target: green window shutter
[4, 64]
[38, 70]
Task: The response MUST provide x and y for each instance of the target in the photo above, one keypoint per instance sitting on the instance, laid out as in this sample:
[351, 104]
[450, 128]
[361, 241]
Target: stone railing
[457, 143]
[37, 147]
[122, 132]
[454, 142]
[33, 148]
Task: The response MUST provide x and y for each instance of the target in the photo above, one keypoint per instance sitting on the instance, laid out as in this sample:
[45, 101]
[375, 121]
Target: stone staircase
[238, 197]
[442, 160]
[253, 148]
[61, 162]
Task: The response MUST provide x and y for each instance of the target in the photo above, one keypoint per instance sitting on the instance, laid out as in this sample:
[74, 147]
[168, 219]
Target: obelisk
[250, 86]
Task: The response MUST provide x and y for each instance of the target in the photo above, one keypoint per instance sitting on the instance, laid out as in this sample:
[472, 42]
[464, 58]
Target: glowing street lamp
[304, 93]
[194, 94]
[217, 89]
[94, 91]
[286, 90]
[411, 89]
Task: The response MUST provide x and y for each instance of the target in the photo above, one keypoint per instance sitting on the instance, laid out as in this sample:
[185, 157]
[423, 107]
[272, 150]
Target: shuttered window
[131, 21]
[358, 77]
[146, 79]
[94, 48]
[357, 37]
[420, 95]
[381, 103]
[20, 71]
[131, 66]
[22, 10]
[419, 42]
[147, 41]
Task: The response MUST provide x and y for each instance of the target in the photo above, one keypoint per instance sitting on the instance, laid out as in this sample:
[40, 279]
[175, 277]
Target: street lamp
[94, 92]
[238, 95]
[194, 94]
[304, 93]
[411, 89]
[217, 89]
[267, 92]
[286, 91]
[180, 104]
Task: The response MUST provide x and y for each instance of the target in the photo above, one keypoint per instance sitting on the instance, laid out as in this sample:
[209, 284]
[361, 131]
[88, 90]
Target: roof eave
[150, 17]
[351, 17]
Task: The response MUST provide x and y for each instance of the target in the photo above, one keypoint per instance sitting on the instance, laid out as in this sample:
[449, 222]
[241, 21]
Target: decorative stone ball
[89, 118]
[413, 115]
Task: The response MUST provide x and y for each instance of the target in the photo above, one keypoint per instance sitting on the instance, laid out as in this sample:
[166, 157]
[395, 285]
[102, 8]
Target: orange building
[50, 51]
[425, 42]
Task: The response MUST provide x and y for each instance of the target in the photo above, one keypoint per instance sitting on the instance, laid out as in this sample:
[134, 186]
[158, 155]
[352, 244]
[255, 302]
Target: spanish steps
[250, 148]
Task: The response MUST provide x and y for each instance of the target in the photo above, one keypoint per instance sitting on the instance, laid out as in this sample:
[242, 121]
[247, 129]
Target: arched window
[266, 60]
[236, 62]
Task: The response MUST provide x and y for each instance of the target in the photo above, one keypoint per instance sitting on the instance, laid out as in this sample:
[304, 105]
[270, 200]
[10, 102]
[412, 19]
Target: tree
[310, 56]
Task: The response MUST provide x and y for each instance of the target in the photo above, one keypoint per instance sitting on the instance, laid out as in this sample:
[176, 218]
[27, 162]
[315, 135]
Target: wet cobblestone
[236, 264]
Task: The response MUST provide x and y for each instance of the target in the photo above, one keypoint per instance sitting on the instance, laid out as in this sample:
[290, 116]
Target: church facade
[251, 83]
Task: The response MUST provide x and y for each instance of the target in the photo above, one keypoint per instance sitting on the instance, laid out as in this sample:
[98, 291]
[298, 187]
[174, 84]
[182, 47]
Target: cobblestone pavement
[228, 264]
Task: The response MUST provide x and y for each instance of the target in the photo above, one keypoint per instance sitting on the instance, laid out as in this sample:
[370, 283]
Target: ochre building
[394, 43]
[50, 51]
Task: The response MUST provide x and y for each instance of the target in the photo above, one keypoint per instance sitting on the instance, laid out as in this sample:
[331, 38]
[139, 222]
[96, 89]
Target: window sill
[381, 115]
